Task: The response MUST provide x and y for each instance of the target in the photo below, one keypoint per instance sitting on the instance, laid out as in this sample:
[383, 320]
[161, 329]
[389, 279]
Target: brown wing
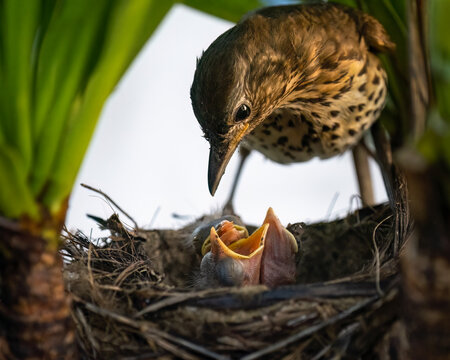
[337, 19]
[372, 31]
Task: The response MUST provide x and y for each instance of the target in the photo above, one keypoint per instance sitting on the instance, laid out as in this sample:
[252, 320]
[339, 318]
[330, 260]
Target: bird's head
[233, 258]
[237, 84]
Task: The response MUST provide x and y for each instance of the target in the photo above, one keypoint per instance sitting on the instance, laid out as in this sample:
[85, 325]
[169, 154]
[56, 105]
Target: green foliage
[392, 15]
[439, 41]
[435, 144]
[231, 10]
[59, 61]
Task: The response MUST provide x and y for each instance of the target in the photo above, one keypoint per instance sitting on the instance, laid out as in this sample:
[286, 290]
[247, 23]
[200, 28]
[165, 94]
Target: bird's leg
[384, 159]
[361, 161]
[228, 207]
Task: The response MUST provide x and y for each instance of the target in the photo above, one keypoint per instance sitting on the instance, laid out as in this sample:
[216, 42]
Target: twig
[309, 331]
[9, 224]
[155, 214]
[331, 206]
[322, 352]
[89, 267]
[130, 269]
[354, 198]
[145, 328]
[177, 299]
[302, 319]
[311, 291]
[107, 197]
[377, 257]
[87, 331]
[164, 303]
[187, 344]
[344, 337]
[143, 356]
[171, 348]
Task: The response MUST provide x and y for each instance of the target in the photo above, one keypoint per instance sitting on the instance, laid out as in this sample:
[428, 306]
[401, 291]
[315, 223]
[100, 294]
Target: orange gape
[235, 259]
[228, 233]
[239, 263]
[278, 260]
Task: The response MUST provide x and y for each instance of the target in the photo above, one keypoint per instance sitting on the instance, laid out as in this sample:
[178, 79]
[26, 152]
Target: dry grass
[134, 296]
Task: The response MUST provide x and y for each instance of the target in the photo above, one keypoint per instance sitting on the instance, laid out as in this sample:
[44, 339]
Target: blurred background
[148, 153]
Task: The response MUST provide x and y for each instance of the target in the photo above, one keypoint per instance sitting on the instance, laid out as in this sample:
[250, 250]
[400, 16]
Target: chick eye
[243, 112]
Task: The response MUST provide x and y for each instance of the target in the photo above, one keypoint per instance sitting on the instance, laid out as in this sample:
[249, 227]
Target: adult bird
[292, 82]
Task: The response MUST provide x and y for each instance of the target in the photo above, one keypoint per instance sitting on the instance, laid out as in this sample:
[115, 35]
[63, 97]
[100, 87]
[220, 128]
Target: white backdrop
[149, 155]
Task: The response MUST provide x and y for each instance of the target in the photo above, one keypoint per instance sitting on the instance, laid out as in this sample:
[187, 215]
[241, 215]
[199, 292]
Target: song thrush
[293, 82]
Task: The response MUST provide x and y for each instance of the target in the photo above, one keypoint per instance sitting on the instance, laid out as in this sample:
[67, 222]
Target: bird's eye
[242, 113]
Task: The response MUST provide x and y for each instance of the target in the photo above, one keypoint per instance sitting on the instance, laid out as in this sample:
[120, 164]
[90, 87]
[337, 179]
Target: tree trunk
[35, 319]
[426, 265]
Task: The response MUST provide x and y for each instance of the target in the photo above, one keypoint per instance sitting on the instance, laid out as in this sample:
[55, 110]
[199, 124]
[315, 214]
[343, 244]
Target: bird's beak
[278, 261]
[229, 233]
[232, 258]
[219, 158]
[243, 255]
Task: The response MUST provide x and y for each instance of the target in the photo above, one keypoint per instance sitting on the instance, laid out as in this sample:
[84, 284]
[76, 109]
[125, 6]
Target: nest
[134, 296]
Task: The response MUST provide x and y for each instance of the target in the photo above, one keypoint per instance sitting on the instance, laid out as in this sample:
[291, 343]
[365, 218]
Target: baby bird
[232, 258]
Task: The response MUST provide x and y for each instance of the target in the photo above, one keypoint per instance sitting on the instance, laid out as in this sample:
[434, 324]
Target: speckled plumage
[308, 74]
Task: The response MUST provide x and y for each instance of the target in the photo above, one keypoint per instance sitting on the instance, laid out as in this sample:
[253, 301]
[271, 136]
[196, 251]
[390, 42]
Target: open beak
[219, 158]
[238, 264]
[232, 258]
[228, 232]
[278, 261]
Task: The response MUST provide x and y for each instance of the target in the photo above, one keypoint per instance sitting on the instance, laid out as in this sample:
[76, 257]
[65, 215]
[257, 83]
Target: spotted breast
[326, 117]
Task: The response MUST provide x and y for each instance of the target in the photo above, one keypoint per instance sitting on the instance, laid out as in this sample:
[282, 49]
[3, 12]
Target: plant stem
[35, 309]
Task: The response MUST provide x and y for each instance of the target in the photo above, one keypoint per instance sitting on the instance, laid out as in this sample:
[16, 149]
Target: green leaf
[59, 62]
[15, 196]
[231, 10]
[68, 46]
[19, 22]
[440, 53]
[139, 18]
[351, 3]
